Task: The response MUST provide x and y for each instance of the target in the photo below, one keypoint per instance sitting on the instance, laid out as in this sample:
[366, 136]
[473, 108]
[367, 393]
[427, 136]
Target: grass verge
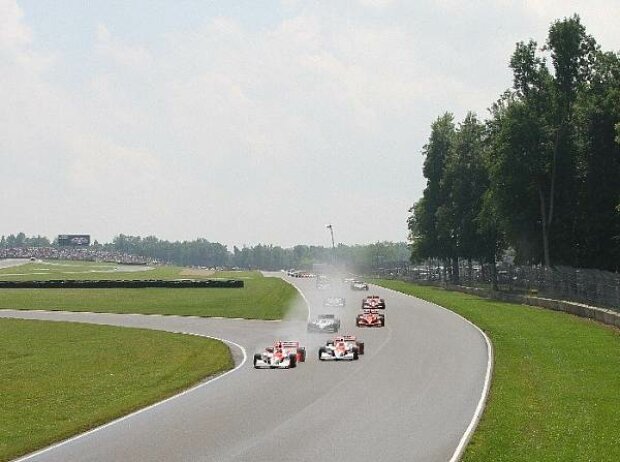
[59, 379]
[555, 390]
[261, 298]
[64, 269]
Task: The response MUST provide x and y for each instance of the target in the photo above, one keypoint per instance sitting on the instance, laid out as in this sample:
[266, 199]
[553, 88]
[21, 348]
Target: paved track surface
[410, 397]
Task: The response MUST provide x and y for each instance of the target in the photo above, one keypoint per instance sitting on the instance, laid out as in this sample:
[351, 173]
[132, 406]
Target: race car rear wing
[290, 344]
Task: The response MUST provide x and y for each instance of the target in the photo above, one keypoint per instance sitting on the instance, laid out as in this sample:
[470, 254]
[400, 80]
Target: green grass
[46, 270]
[59, 379]
[237, 274]
[555, 394]
[261, 298]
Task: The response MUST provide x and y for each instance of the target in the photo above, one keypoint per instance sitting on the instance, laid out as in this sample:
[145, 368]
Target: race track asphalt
[410, 397]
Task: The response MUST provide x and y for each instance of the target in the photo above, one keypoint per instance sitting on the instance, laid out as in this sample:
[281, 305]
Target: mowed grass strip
[58, 379]
[261, 298]
[64, 269]
[555, 394]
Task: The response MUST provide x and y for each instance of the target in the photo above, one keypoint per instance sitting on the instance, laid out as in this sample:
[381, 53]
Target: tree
[535, 156]
[423, 230]
[597, 110]
[465, 182]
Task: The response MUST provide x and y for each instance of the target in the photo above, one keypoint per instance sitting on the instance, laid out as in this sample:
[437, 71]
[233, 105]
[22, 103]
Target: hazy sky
[244, 121]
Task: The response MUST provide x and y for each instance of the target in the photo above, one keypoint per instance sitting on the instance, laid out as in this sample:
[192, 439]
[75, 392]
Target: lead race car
[370, 318]
[282, 355]
[345, 348]
[373, 302]
[324, 323]
[350, 340]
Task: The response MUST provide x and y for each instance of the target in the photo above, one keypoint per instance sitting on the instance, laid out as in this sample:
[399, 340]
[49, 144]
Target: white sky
[244, 122]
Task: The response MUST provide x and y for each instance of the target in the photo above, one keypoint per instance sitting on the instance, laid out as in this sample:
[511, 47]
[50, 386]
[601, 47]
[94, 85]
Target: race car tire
[293, 360]
[355, 354]
[360, 347]
[321, 351]
[302, 354]
[257, 357]
[357, 323]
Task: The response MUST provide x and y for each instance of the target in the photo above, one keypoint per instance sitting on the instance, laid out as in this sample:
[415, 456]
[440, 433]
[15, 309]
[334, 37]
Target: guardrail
[601, 314]
[125, 284]
[578, 285]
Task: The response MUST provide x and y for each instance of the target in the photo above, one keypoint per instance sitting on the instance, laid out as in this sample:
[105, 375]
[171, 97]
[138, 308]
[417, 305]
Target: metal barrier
[588, 286]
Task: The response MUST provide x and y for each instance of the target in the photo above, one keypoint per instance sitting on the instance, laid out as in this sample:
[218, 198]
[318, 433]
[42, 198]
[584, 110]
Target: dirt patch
[196, 272]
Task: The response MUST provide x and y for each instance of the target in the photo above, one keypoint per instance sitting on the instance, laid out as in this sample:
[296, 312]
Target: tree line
[21, 240]
[540, 176]
[201, 252]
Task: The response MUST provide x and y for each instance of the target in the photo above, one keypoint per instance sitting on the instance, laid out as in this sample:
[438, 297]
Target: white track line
[140, 411]
[155, 315]
[460, 449]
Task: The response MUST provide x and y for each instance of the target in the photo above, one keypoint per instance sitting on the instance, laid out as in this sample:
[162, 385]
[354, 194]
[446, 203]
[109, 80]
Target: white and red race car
[352, 341]
[370, 318]
[341, 348]
[373, 302]
[282, 355]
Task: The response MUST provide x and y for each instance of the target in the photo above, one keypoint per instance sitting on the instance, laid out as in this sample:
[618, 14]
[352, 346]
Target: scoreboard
[74, 240]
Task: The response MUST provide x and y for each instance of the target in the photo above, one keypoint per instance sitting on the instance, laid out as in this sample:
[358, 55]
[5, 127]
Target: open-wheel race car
[282, 355]
[352, 341]
[359, 285]
[322, 282]
[334, 302]
[324, 323]
[373, 302]
[341, 348]
[370, 318]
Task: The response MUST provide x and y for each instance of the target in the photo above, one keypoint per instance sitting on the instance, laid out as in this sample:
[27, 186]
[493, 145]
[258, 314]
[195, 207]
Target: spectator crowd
[73, 253]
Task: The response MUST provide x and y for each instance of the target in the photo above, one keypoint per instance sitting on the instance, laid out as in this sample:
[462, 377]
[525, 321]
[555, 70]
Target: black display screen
[74, 240]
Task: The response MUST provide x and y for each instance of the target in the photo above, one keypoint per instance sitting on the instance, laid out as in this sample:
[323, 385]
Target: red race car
[370, 318]
[373, 302]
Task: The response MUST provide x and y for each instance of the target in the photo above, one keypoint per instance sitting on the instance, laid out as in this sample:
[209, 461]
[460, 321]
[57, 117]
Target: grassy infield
[262, 298]
[555, 393]
[57, 379]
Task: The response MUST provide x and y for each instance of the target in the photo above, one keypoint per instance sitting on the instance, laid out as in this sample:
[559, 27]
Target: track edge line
[473, 424]
[150, 406]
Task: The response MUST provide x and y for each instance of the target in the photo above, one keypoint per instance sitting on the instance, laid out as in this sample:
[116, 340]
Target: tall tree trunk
[545, 227]
[455, 271]
[494, 275]
[556, 146]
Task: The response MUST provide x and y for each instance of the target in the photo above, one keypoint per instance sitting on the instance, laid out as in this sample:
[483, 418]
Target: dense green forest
[201, 252]
[541, 175]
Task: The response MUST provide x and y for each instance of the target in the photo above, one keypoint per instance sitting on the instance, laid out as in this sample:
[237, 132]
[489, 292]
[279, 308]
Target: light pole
[331, 230]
